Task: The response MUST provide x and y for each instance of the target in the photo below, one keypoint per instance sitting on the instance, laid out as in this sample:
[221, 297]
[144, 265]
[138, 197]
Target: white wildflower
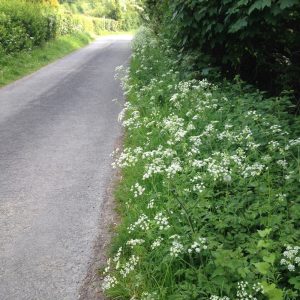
[150, 204]
[156, 243]
[109, 282]
[162, 221]
[135, 242]
[129, 265]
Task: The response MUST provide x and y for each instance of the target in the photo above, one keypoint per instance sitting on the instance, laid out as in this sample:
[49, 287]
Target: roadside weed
[210, 188]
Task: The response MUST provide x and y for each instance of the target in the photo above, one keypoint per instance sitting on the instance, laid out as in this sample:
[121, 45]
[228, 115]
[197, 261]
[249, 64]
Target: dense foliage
[26, 24]
[258, 39]
[124, 11]
[210, 188]
[53, 3]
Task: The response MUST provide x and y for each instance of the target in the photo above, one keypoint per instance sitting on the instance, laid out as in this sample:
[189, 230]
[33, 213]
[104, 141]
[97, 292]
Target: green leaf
[295, 281]
[262, 267]
[243, 272]
[271, 291]
[287, 3]
[242, 3]
[238, 25]
[259, 5]
[264, 233]
[263, 244]
[218, 272]
[270, 258]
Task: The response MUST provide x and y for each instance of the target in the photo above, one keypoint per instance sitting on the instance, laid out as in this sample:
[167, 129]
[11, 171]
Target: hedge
[24, 25]
[257, 39]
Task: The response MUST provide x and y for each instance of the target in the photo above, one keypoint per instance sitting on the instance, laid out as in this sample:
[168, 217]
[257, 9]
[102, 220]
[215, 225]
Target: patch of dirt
[91, 288]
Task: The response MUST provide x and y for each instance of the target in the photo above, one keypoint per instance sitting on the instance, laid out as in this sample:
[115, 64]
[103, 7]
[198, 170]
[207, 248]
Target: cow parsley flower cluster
[162, 221]
[129, 265]
[291, 258]
[150, 204]
[109, 282]
[214, 297]
[143, 223]
[176, 247]
[137, 190]
[149, 296]
[135, 242]
[198, 246]
[246, 291]
[157, 243]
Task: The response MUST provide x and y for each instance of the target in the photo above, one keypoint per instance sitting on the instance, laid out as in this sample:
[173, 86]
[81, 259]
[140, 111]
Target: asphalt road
[58, 127]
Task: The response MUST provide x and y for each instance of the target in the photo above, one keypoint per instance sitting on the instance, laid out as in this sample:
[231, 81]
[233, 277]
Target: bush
[258, 39]
[210, 188]
[26, 24]
[96, 25]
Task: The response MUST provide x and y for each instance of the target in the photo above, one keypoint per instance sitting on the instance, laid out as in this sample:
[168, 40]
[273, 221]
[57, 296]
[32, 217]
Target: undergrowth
[209, 195]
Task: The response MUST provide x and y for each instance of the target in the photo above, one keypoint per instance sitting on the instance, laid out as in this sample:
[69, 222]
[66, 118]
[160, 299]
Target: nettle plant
[210, 189]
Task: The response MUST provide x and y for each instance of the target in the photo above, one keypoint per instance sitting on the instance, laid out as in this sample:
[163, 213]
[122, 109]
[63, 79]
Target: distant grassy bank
[13, 67]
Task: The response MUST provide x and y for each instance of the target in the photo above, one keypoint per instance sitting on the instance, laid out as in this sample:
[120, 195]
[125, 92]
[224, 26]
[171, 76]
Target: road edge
[108, 220]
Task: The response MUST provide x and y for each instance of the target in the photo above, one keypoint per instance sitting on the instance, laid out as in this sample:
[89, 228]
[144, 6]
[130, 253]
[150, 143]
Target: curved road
[57, 129]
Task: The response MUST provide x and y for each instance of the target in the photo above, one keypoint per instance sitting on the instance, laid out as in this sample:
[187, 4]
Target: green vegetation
[258, 39]
[125, 12]
[209, 195]
[15, 66]
[25, 25]
[33, 33]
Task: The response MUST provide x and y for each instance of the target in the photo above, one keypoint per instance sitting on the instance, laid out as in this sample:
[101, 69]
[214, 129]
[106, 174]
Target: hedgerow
[258, 39]
[26, 24]
[209, 194]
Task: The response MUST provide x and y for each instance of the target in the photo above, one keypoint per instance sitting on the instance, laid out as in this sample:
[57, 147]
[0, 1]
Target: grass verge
[13, 67]
[210, 191]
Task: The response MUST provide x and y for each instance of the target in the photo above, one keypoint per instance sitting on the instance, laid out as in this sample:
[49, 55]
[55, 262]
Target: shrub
[96, 25]
[53, 3]
[258, 39]
[25, 24]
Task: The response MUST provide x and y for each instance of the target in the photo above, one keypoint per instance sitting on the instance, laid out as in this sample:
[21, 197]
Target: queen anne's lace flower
[199, 245]
[291, 258]
[176, 248]
[162, 221]
[214, 297]
[142, 223]
[135, 242]
[109, 282]
[137, 190]
[129, 265]
[156, 243]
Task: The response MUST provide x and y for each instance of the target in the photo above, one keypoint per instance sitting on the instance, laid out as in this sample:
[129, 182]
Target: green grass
[13, 67]
[209, 195]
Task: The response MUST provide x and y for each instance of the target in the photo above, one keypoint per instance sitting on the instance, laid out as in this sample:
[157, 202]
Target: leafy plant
[258, 39]
[209, 191]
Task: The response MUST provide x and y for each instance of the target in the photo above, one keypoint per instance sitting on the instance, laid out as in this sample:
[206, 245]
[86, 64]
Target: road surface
[58, 127]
